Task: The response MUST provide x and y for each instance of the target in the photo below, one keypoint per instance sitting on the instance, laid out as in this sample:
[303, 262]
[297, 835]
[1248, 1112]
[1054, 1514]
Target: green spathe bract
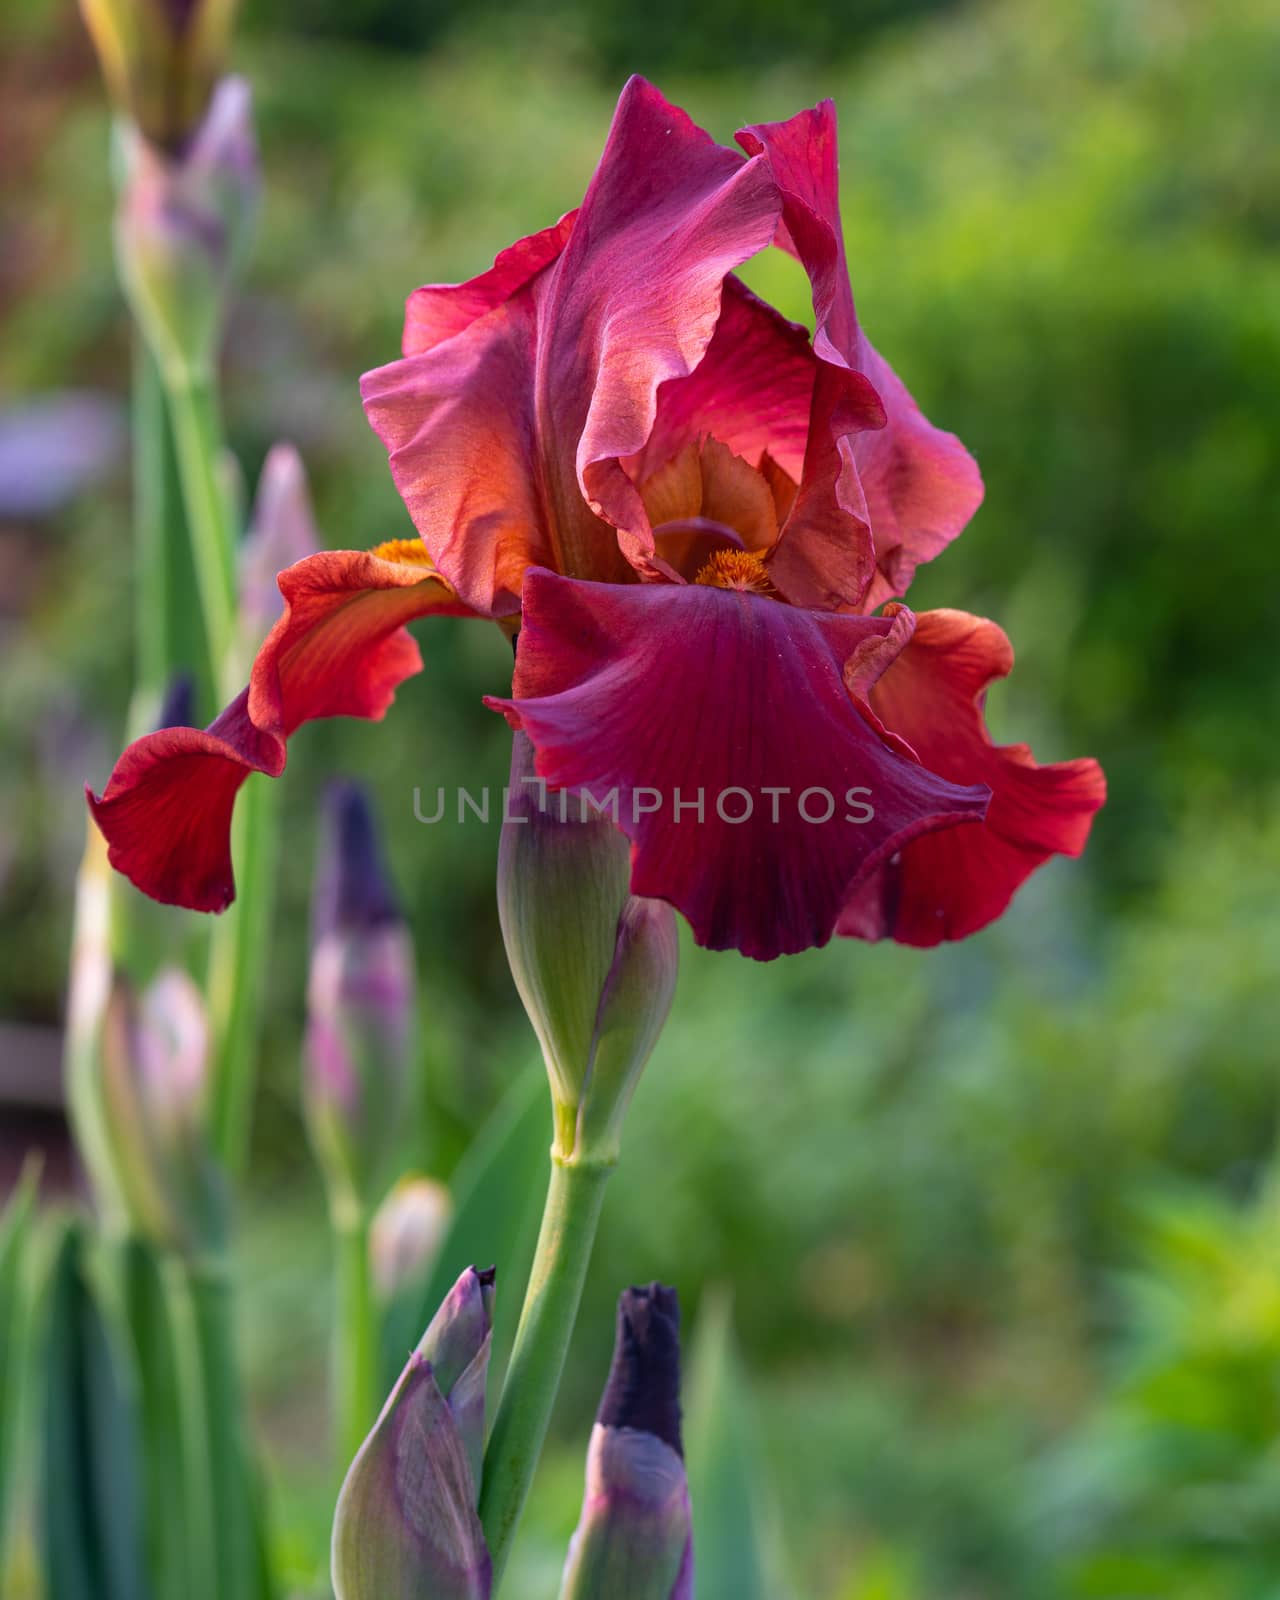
[595, 965]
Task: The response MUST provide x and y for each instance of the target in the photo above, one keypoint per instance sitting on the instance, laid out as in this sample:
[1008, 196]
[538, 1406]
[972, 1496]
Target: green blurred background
[999, 1221]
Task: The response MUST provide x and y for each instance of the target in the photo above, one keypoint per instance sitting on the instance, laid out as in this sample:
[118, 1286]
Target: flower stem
[197, 434]
[239, 950]
[209, 1289]
[193, 1475]
[356, 1352]
[574, 1198]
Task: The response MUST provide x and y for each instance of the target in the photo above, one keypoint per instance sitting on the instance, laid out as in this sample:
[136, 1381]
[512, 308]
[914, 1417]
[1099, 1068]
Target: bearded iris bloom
[699, 517]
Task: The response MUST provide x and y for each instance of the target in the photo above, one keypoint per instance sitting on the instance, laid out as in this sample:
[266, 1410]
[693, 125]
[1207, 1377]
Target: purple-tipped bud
[178, 708]
[408, 1230]
[181, 228]
[360, 1006]
[406, 1525]
[594, 964]
[635, 1537]
[161, 59]
[281, 531]
[457, 1344]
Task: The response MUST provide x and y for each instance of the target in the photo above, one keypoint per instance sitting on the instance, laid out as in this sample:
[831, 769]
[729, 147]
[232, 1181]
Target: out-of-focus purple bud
[161, 59]
[408, 1230]
[360, 1007]
[54, 447]
[154, 1082]
[594, 964]
[635, 1538]
[406, 1526]
[281, 531]
[177, 709]
[182, 226]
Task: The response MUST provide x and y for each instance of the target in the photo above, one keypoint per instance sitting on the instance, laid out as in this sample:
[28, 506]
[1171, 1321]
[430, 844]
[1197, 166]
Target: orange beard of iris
[405, 552]
[736, 569]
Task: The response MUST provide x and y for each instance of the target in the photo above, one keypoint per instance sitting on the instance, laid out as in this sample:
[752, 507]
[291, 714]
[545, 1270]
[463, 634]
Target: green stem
[194, 1485]
[152, 586]
[168, 624]
[356, 1349]
[239, 949]
[197, 433]
[574, 1198]
[209, 1289]
[147, 1309]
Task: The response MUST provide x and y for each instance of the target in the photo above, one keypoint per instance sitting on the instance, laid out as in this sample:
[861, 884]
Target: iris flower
[699, 517]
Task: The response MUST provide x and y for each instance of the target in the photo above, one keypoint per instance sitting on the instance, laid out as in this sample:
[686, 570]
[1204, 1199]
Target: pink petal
[438, 311]
[634, 300]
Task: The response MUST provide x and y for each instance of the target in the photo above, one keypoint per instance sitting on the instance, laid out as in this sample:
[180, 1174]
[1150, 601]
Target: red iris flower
[692, 508]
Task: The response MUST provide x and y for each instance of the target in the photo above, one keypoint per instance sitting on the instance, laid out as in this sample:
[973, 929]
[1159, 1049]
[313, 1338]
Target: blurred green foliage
[988, 1363]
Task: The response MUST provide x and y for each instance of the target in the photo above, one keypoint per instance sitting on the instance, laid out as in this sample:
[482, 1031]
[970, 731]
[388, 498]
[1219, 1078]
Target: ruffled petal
[920, 484]
[947, 886]
[752, 390]
[340, 649]
[762, 390]
[458, 424]
[438, 311]
[521, 389]
[634, 300]
[711, 713]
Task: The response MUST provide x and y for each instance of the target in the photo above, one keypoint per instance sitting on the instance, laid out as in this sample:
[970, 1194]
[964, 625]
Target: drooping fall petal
[744, 766]
[921, 485]
[339, 649]
[949, 885]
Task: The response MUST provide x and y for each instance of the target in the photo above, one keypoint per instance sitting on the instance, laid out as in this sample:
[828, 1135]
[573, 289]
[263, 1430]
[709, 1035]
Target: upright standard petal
[520, 390]
[762, 391]
[947, 886]
[921, 485]
[437, 311]
[754, 826]
[340, 649]
[458, 424]
[633, 302]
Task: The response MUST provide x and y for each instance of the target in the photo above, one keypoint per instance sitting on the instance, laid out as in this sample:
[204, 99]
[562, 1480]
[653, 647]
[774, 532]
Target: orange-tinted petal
[340, 648]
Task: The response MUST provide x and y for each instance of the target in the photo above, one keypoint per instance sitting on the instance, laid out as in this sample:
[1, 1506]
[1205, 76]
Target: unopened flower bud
[177, 709]
[360, 1007]
[181, 228]
[282, 530]
[594, 964]
[635, 1538]
[406, 1525]
[154, 1083]
[408, 1230]
[161, 59]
